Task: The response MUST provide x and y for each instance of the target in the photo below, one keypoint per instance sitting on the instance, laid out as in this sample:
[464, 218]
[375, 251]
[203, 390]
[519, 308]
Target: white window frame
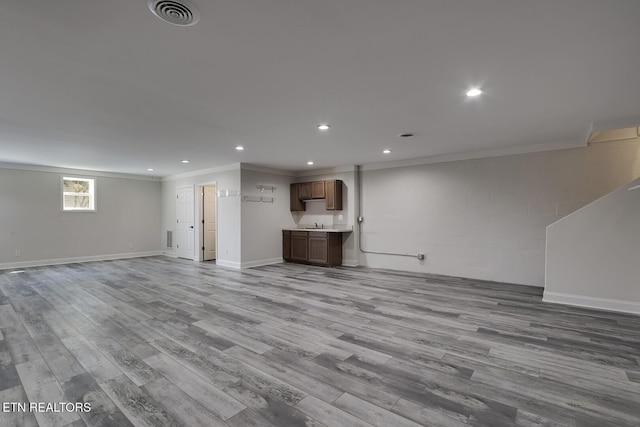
[91, 193]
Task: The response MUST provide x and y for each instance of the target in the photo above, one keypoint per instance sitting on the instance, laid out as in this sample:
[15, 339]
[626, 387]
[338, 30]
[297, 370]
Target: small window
[78, 194]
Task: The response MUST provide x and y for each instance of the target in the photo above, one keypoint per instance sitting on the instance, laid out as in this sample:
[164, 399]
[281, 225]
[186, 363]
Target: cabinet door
[286, 245]
[299, 246]
[317, 190]
[304, 191]
[334, 250]
[333, 195]
[294, 201]
[318, 248]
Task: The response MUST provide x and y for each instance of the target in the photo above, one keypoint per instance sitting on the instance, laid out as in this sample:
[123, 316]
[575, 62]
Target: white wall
[262, 223]
[229, 217]
[485, 218]
[593, 255]
[31, 220]
[316, 212]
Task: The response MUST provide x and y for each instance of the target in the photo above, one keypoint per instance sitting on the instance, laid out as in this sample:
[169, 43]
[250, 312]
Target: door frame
[198, 221]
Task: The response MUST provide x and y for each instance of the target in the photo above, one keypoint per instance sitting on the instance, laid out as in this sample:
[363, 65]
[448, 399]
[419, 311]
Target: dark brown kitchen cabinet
[295, 202]
[330, 191]
[312, 247]
[317, 190]
[286, 245]
[318, 248]
[304, 190]
[299, 246]
[333, 195]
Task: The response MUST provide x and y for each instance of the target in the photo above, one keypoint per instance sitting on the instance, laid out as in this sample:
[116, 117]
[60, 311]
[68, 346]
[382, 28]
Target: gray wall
[31, 220]
[262, 223]
[593, 255]
[485, 218]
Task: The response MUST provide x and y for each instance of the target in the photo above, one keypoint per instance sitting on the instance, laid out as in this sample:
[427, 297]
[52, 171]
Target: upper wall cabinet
[304, 191]
[333, 194]
[330, 191]
[295, 201]
[317, 189]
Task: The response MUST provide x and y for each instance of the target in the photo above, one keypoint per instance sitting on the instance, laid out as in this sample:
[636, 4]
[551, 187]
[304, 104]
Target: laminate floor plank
[205, 393]
[158, 341]
[185, 410]
[85, 389]
[14, 417]
[299, 380]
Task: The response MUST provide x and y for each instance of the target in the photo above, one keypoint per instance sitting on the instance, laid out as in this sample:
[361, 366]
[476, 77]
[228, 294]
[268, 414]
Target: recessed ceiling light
[185, 161]
[386, 151]
[323, 126]
[406, 135]
[310, 163]
[473, 92]
[150, 169]
[239, 148]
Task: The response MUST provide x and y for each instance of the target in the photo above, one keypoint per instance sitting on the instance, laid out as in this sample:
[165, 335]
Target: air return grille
[169, 238]
[175, 12]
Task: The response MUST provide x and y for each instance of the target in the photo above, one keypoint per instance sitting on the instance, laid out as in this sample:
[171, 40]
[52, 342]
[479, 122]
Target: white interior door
[184, 222]
[209, 222]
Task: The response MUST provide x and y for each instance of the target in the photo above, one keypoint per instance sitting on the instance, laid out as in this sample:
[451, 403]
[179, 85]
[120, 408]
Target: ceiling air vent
[175, 12]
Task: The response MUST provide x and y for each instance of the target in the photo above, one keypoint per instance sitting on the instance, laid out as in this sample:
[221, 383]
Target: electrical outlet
[340, 217]
[18, 253]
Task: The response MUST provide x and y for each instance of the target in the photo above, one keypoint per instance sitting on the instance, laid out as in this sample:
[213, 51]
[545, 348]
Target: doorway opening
[208, 222]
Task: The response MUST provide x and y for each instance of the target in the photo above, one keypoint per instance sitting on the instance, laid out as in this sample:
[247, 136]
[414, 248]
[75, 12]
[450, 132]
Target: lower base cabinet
[312, 247]
[286, 245]
[299, 246]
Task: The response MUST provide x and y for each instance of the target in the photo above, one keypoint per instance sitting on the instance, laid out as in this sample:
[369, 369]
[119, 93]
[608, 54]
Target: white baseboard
[350, 263]
[592, 302]
[229, 264]
[58, 261]
[260, 262]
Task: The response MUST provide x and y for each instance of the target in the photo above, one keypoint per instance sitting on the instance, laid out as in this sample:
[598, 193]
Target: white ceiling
[105, 85]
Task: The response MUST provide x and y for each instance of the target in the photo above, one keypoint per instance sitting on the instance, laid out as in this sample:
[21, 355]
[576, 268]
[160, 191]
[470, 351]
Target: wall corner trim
[592, 302]
[228, 264]
[260, 262]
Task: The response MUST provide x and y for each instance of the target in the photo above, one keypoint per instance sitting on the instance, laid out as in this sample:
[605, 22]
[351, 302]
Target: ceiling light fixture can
[185, 161]
[386, 151]
[239, 148]
[310, 163]
[324, 126]
[473, 92]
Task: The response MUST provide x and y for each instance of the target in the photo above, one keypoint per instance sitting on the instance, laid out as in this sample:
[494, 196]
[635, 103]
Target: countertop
[343, 229]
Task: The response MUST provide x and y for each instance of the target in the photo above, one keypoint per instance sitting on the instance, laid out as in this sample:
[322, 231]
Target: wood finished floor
[162, 342]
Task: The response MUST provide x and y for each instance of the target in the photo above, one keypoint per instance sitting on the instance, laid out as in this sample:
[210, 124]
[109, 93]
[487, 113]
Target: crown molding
[225, 168]
[263, 169]
[498, 152]
[70, 171]
[325, 171]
